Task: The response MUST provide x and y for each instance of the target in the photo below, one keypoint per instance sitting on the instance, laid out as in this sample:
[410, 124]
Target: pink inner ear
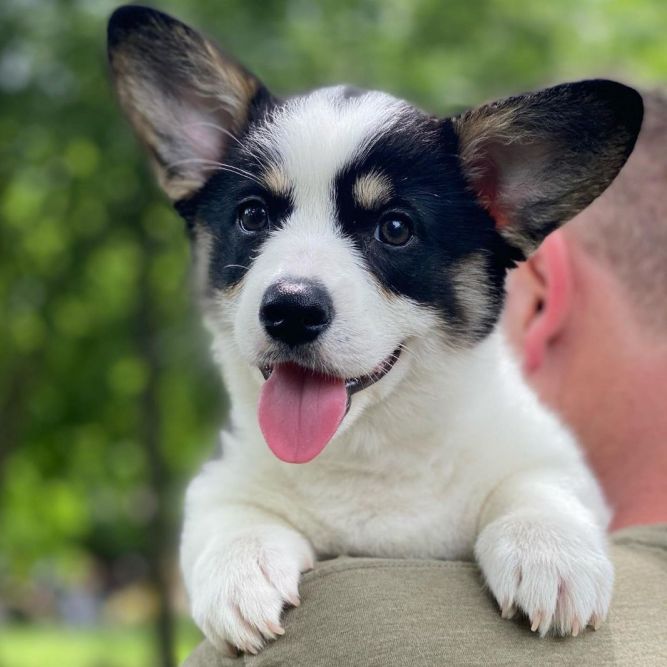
[486, 184]
[202, 136]
[510, 175]
[498, 216]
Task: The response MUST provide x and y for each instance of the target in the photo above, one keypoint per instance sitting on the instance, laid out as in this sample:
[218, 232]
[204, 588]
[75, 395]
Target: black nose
[296, 311]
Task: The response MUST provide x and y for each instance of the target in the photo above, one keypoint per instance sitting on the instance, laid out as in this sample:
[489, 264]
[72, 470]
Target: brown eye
[394, 230]
[253, 216]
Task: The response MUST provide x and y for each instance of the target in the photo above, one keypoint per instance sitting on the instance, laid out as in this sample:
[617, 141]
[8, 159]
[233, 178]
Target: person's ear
[540, 301]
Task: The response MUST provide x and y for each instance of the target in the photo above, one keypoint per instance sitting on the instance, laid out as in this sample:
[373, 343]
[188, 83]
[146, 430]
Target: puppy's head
[340, 234]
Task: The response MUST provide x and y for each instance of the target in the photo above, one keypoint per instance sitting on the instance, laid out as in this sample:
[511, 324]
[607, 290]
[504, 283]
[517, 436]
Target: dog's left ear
[185, 98]
[534, 161]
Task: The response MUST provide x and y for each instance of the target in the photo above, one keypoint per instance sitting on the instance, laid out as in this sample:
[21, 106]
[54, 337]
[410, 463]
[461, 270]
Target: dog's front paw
[241, 586]
[555, 570]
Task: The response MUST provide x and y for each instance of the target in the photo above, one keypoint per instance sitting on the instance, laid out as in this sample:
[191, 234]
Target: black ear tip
[633, 104]
[626, 102]
[131, 18]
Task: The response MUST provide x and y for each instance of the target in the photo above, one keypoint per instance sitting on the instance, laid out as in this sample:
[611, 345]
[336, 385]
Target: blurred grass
[105, 646]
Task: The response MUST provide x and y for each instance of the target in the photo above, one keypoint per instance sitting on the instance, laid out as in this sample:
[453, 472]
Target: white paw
[241, 586]
[555, 570]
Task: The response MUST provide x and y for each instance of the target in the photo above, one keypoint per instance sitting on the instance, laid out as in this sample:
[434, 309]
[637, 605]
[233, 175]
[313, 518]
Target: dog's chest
[398, 511]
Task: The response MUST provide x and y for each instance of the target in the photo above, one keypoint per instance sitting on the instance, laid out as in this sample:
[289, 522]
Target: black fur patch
[233, 249]
[214, 208]
[420, 159]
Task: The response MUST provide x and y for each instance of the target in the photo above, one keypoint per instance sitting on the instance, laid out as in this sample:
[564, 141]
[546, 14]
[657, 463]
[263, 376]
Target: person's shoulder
[640, 537]
[640, 559]
[394, 612]
[638, 616]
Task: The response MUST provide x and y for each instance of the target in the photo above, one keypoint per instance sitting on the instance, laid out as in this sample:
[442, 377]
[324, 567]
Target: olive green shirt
[389, 613]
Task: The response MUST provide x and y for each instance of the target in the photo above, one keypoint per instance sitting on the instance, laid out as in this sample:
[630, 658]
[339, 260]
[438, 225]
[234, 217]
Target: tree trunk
[12, 414]
[158, 545]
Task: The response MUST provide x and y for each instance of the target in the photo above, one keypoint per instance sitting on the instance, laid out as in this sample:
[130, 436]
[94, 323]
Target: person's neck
[627, 445]
[635, 490]
[616, 382]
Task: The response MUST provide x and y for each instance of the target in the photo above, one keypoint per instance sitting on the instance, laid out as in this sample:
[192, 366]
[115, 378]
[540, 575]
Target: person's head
[587, 317]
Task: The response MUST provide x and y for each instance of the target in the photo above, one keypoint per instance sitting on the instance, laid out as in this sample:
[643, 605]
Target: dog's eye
[394, 230]
[253, 216]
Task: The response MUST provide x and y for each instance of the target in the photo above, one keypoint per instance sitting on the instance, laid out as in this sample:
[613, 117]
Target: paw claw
[536, 620]
[508, 611]
[275, 628]
[596, 621]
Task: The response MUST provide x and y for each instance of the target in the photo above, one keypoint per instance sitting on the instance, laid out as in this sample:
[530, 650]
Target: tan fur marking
[372, 190]
[470, 283]
[276, 180]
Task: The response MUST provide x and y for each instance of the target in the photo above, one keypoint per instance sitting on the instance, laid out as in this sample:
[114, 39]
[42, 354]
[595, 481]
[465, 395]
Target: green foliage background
[99, 345]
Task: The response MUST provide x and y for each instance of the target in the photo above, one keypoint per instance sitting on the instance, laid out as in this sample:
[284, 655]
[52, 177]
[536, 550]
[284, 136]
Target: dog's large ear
[534, 161]
[185, 99]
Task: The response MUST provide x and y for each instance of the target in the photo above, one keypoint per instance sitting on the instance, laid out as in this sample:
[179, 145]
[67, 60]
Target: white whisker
[214, 165]
[232, 136]
[214, 126]
[236, 266]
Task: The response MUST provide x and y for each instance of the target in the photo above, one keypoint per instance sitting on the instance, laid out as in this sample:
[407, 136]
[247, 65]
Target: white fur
[448, 456]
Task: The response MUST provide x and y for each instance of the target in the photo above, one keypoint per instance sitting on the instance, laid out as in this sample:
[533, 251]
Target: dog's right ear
[185, 99]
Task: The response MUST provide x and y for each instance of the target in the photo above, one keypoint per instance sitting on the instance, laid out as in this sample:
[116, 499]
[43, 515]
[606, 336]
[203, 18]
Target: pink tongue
[299, 412]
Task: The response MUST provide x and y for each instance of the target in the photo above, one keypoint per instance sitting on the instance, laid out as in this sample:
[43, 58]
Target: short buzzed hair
[627, 226]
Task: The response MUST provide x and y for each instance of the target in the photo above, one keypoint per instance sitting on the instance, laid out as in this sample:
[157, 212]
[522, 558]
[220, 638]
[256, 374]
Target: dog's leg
[543, 551]
[241, 566]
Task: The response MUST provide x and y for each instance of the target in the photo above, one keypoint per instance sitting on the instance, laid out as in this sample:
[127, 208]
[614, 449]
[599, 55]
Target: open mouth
[356, 384]
[300, 409]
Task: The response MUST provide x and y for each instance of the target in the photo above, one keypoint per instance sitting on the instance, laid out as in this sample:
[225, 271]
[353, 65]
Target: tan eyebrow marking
[276, 180]
[372, 189]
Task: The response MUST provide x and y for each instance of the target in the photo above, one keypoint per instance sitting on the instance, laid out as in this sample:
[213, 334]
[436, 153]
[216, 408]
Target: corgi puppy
[350, 252]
